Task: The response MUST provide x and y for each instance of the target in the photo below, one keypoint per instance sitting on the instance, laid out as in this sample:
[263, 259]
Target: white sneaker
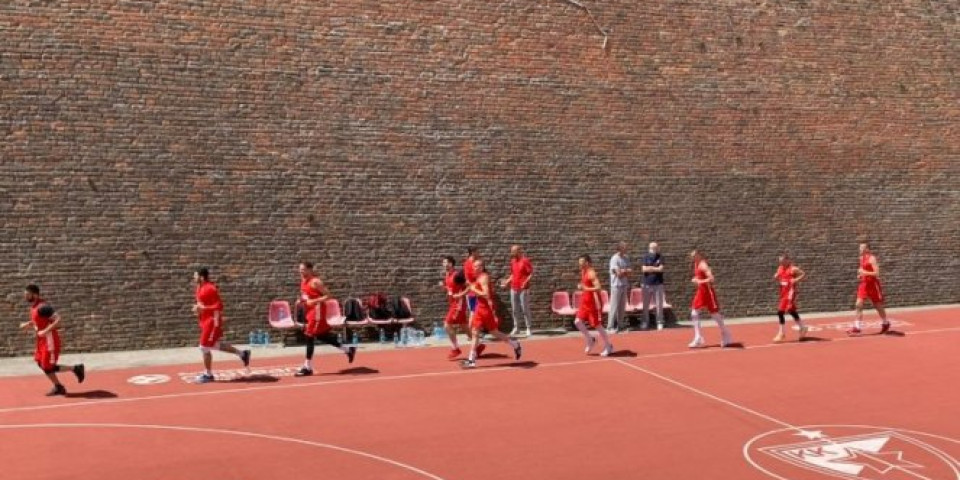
[725, 340]
[607, 351]
[514, 331]
[696, 343]
[590, 345]
[660, 326]
[528, 333]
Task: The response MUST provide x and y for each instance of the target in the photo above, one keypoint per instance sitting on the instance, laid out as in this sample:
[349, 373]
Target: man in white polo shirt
[619, 289]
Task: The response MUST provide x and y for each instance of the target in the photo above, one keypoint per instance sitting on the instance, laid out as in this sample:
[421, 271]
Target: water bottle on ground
[437, 332]
[396, 339]
[252, 338]
[266, 338]
[356, 339]
[383, 335]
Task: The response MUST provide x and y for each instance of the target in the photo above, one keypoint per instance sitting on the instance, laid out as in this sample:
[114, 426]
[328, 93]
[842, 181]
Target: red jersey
[468, 270]
[40, 322]
[785, 277]
[453, 288]
[484, 303]
[867, 266]
[589, 298]
[520, 271]
[705, 297]
[209, 296]
[308, 292]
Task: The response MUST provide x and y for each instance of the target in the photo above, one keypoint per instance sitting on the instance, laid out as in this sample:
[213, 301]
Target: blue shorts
[472, 304]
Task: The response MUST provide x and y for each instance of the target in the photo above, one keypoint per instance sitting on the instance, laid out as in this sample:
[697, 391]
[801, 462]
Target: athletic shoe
[480, 349]
[803, 332]
[884, 328]
[659, 326]
[514, 331]
[590, 344]
[696, 343]
[351, 353]
[454, 353]
[245, 357]
[517, 351]
[607, 351]
[779, 338]
[80, 371]
[303, 372]
[528, 333]
[725, 341]
[204, 378]
[853, 331]
[468, 364]
[57, 390]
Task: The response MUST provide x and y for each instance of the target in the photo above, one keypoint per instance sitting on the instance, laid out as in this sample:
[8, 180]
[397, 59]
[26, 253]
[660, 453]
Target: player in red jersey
[588, 313]
[313, 297]
[45, 322]
[209, 310]
[869, 274]
[469, 272]
[455, 284]
[705, 299]
[485, 318]
[788, 276]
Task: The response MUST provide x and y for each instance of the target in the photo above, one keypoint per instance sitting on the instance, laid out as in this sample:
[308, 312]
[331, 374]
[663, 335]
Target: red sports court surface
[872, 407]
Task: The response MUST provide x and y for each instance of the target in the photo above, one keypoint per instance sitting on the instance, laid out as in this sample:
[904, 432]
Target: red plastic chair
[365, 322]
[334, 316]
[604, 301]
[577, 295]
[635, 301]
[279, 316]
[560, 304]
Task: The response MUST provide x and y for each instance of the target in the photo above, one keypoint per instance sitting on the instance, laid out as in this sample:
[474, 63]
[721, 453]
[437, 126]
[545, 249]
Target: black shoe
[80, 371]
[468, 364]
[57, 390]
[351, 353]
[517, 351]
[245, 358]
[303, 372]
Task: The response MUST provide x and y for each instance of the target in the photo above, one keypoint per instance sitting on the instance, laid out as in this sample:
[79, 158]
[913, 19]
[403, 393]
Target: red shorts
[705, 298]
[316, 322]
[871, 290]
[788, 299]
[210, 334]
[456, 314]
[47, 353]
[485, 319]
[588, 312]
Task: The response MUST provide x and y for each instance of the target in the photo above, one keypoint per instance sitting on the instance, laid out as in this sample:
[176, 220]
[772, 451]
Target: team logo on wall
[854, 453]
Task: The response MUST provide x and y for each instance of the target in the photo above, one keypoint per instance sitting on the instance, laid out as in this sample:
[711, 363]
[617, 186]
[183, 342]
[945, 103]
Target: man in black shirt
[653, 285]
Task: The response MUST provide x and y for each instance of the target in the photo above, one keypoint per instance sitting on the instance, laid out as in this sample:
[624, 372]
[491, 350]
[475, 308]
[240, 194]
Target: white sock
[473, 355]
[208, 373]
[724, 333]
[856, 323]
[456, 345]
[603, 335]
[307, 364]
[583, 329]
[695, 319]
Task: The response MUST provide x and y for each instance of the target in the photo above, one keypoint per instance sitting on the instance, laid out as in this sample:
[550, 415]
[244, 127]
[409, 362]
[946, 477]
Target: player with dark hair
[455, 284]
[788, 276]
[313, 297]
[46, 323]
[209, 310]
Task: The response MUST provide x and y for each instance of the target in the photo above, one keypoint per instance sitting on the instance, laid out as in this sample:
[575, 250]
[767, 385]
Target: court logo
[854, 453]
[148, 379]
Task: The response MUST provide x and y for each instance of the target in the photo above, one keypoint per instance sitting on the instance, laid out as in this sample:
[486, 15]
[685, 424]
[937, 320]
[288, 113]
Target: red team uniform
[316, 314]
[788, 289]
[706, 297]
[869, 285]
[210, 332]
[47, 351]
[484, 317]
[456, 306]
[589, 309]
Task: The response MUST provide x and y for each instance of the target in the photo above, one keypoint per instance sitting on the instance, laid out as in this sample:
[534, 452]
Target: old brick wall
[142, 138]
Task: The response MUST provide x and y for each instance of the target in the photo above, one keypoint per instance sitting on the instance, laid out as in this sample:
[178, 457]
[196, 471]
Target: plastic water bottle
[252, 338]
[396, 339]
[437, 332]
[383, 336]
[404, 337]
[340, 338]
[421, 338]
[266, 338]
[355, 339]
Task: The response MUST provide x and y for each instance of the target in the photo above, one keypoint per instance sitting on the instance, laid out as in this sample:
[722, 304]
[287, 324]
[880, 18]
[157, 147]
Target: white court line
[240, 433]
[435, 374]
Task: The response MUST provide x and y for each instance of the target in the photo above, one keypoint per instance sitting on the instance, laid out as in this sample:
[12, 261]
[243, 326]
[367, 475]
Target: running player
[485, 318]
[869, 274]
[313, 297]
[705, 299]
[45, 322]
[788, 276]
[589, 309]
[456, 286]
[209, 310]
[471, 275]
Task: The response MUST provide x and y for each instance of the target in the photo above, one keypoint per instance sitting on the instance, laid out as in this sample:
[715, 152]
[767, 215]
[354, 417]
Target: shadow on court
[354, 371]
[254, 379]
[813, 339]
[623, 354]
[894, 333]
[527, 364]
[92, 394]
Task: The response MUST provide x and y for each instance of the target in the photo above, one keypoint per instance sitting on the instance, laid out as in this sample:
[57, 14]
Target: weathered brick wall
[142, 138]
